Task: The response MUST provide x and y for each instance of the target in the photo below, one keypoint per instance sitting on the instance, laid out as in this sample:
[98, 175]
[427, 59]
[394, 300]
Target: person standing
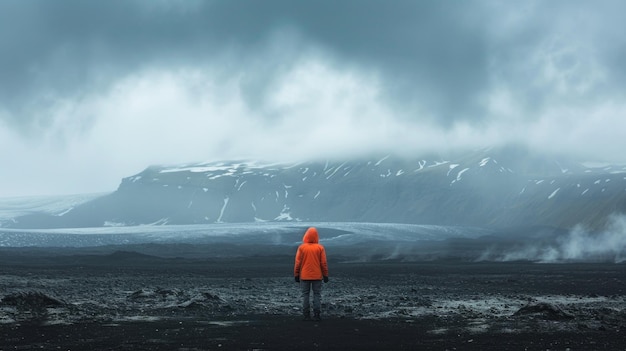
[310, 270]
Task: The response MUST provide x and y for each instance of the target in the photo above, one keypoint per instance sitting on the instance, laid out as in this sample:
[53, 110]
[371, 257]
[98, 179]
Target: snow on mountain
[486, 188]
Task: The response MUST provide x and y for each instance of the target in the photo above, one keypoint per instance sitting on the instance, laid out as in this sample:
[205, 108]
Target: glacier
[275, 233]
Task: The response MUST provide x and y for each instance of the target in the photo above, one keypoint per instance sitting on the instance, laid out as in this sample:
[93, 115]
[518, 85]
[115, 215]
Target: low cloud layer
[95, 91]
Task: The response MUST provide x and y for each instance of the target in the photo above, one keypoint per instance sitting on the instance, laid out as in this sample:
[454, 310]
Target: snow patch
[452, 166]
[162, 221]
[285, 215]
[460, 174]
[335, 171]
[219, 219]
[64, 212]
[240, 185]
[439, 163]
[421, 163]
[113, 224]
[381, 160]
[226, 168]
[554, 193]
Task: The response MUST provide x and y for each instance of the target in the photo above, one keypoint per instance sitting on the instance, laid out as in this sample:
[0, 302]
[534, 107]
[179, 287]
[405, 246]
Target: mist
[577, 245]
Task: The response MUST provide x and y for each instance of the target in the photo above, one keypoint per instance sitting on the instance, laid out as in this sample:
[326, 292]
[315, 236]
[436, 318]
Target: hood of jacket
[311, 236]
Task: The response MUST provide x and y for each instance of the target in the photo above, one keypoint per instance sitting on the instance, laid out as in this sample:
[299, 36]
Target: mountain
[509, 187]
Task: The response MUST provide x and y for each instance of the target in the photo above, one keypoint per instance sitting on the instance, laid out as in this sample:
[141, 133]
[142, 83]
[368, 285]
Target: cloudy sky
[93, 91]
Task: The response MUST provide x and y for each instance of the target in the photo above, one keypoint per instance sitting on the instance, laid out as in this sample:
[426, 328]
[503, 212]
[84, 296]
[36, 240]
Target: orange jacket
[311, 258]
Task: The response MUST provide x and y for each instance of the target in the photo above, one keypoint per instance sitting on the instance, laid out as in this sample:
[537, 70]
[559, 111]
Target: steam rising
[579, 244]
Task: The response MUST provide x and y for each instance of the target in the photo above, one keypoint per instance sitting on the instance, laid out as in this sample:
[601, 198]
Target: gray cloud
[433, 53]
[348, 75]
[439, 56]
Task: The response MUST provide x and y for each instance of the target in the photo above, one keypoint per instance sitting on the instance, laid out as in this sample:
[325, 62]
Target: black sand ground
[128, 301]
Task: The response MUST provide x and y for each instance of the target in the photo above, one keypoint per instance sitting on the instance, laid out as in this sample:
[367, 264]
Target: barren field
[131, 301]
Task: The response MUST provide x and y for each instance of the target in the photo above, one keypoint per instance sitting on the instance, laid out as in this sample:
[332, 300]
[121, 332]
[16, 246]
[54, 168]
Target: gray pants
[306, 286]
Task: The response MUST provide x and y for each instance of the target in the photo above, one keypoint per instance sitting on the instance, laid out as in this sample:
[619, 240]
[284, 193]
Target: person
[310, 270]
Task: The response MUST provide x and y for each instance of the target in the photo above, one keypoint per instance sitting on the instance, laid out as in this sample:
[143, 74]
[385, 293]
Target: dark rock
[547, 310]
[30, 299]
[142, 294]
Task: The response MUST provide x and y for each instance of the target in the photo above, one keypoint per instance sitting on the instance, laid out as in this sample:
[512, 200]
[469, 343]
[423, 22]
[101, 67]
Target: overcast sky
[94, 91]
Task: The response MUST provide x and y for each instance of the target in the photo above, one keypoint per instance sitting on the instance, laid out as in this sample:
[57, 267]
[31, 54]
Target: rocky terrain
[130, 301]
